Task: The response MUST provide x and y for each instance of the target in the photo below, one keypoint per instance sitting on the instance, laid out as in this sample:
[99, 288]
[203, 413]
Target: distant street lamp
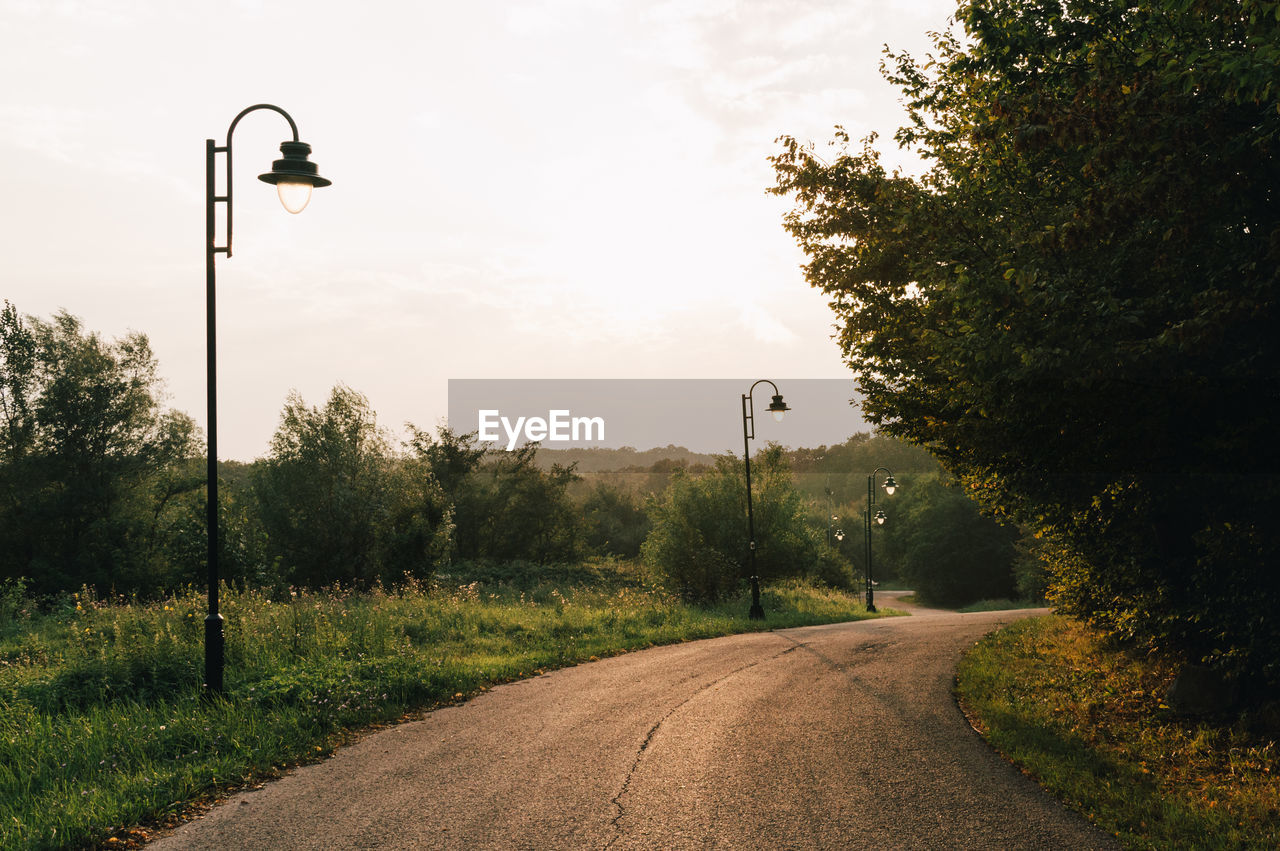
[294, 176]
[778, 408]
[889, 486]
[830, 517]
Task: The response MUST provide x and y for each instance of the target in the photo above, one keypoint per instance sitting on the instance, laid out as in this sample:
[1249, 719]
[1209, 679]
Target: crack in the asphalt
[840, 667]
[847, 670]
[644, 745]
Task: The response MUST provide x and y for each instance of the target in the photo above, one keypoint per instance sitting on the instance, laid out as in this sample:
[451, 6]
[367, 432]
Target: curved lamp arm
[777, 407]
[292, 125]
[293, 168]
[889, 483]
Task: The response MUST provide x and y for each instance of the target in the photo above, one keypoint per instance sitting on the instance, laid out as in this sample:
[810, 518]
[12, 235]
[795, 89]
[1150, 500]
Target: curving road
[839, 736]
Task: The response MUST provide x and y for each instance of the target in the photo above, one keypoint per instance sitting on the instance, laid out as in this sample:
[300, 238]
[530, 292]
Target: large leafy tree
[339, 505]
[1074, 306]
[90, 461]
[505, 506]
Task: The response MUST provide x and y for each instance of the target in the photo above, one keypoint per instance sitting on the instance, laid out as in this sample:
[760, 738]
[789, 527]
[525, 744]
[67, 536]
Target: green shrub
[954, 555]
[698, 542]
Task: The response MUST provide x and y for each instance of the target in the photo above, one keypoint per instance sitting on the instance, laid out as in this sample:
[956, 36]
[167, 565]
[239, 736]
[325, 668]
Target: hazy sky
[552, 189]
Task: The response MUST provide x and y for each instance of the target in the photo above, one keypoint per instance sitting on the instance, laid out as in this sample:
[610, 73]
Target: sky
[545, 189]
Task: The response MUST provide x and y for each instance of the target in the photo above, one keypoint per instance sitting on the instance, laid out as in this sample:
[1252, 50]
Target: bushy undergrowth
[1091, 724]
[102, 728]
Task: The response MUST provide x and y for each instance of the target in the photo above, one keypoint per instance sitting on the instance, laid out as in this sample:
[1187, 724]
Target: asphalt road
[839, 736]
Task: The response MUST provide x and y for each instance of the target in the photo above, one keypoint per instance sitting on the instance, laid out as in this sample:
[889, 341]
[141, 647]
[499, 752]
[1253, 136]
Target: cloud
[764, 327]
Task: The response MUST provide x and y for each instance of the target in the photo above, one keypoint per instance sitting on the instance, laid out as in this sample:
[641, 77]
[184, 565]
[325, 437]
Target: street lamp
[889, 487]
[830, 517]
[778, 408]
[294, 176]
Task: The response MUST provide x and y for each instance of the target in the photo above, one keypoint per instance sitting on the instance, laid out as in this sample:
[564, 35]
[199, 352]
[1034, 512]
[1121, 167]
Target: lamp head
[294, 176]
[839, 534]
[890, 485]
[880, 518]
[778, 407]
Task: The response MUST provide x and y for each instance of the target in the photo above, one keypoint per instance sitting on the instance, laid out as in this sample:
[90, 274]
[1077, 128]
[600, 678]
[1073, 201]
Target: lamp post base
[214, 654]
[757, 610]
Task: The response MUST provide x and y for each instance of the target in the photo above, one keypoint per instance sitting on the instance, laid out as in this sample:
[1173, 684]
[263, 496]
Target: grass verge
[103, 736]
[1089, 723]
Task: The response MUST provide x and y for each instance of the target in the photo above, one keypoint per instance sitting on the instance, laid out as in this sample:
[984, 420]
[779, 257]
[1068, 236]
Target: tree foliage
[339, 506]
[505, 507]
[1074, 307]
[614, 521]
[698, 540]
[953, 555]
[90, 462]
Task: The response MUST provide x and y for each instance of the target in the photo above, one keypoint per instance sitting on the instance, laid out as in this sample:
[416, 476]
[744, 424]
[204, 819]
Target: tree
[699, 532]
[953, 555]
[504, 506]
[698, 539]
[339, 506]
[614, 521]
[86, 445]
[17, 385]
[1074, 307]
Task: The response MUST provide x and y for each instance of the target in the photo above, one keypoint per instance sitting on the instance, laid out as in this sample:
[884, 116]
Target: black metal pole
[871, 496]
[748, 415]
[214, 638]
[830, 519]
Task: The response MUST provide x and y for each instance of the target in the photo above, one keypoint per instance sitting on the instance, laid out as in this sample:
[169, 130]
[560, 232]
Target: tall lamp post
[889, 486]
[831, 518]
[294, 176]
[777, 407]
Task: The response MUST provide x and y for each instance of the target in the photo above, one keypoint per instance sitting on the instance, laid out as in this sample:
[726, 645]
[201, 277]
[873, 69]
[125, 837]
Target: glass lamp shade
[294, 196]
[890, 485]
[880, 518]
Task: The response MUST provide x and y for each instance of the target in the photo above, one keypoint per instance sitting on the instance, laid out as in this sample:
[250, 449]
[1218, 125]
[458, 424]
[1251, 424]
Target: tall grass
[1090, 723]
[103, 733]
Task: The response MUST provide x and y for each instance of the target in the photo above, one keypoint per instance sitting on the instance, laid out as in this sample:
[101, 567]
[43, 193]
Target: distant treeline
[624, 459]
[102, 487]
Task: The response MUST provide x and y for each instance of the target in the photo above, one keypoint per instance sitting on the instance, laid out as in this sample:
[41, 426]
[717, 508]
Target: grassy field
[1089, 723]
[103, 736]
